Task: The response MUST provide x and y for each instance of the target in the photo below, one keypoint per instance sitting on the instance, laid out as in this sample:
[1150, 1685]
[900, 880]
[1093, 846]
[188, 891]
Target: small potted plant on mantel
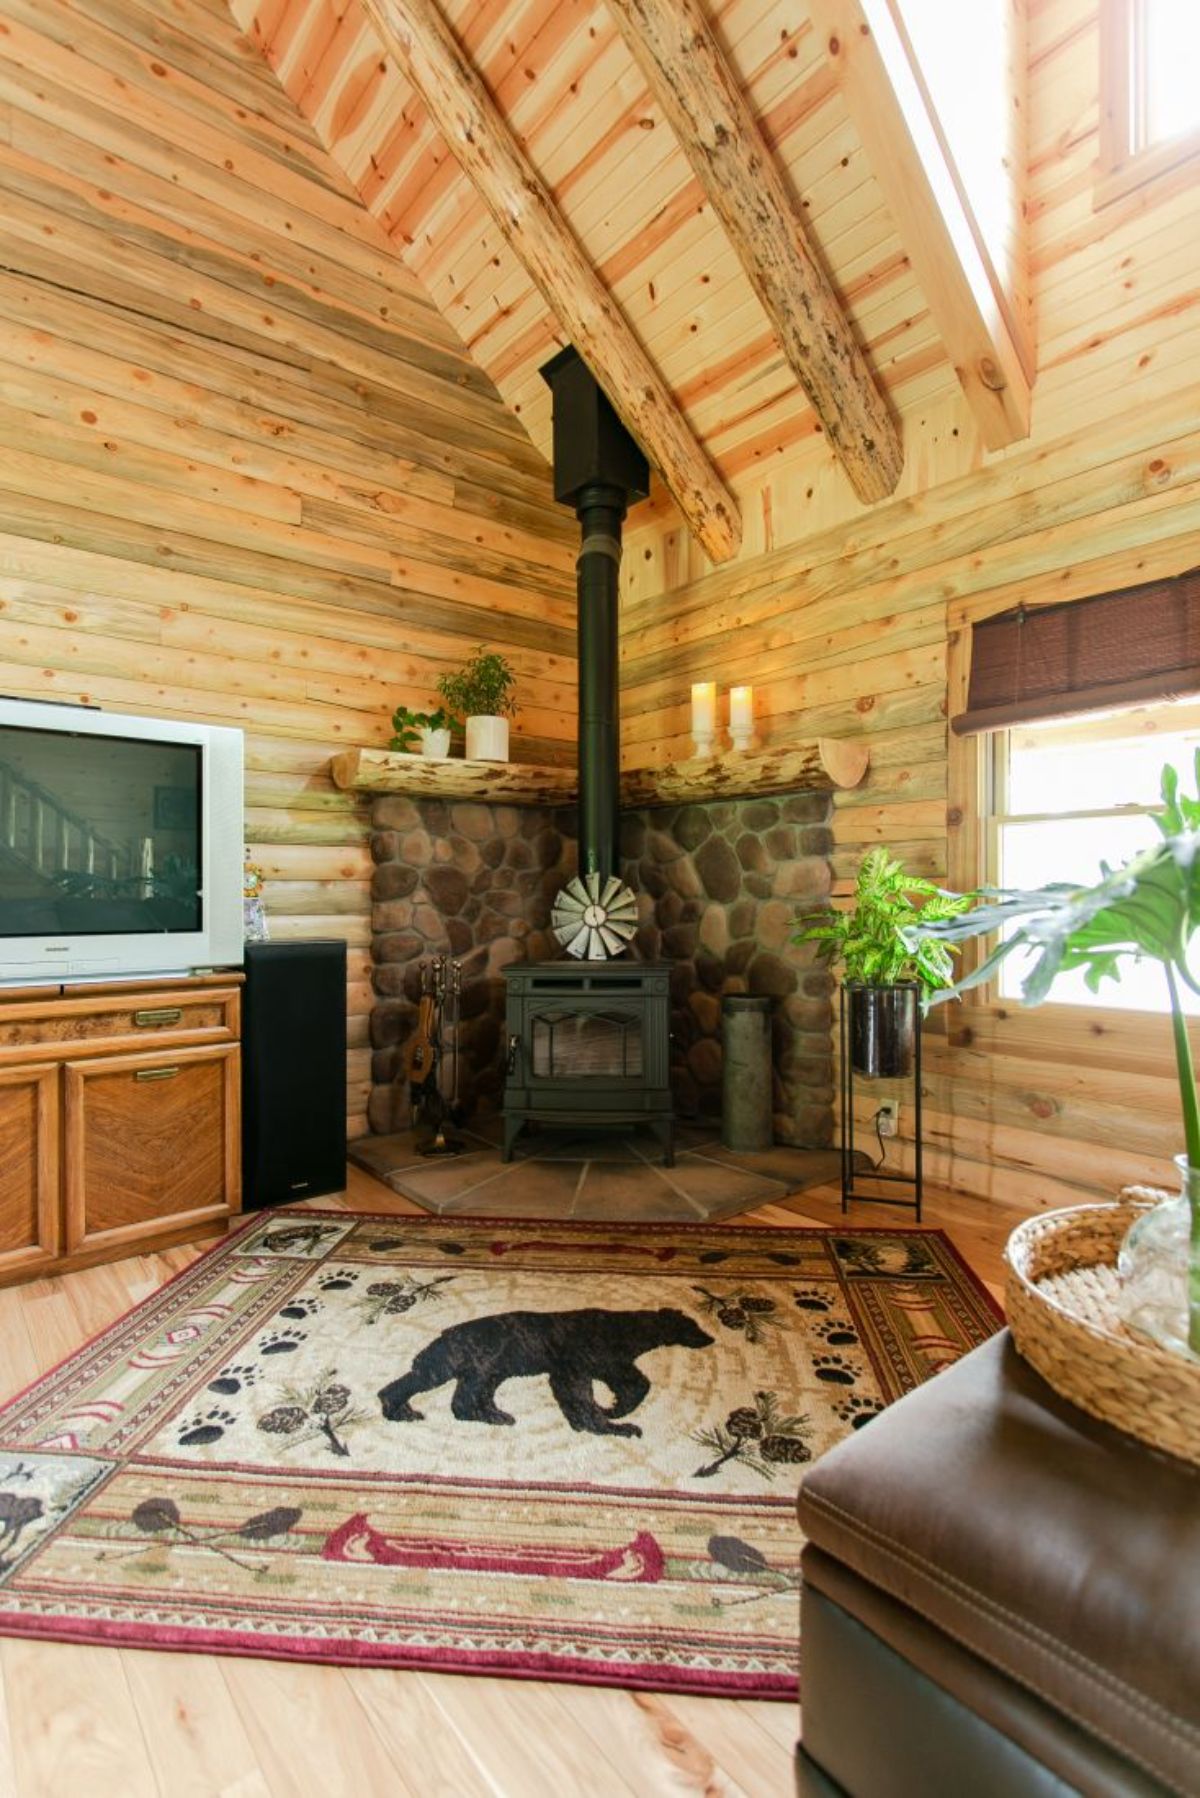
[430, 729]
[481, 692]
[1147, 910]
[889, 968]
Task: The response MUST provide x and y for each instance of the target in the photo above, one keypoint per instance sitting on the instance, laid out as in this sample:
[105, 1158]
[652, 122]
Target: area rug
[567, 1452]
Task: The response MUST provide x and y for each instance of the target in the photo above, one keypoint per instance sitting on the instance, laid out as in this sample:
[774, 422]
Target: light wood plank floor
[81, 1722]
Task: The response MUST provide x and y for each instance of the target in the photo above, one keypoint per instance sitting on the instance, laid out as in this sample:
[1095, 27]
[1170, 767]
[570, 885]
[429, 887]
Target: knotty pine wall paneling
[851, 620]
[247, 472]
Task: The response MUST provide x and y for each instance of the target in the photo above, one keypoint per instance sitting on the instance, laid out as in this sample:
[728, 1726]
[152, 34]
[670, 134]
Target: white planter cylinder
[487, 739]
[435, 744]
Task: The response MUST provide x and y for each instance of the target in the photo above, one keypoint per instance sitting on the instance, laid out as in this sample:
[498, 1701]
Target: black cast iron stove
[589, 1036]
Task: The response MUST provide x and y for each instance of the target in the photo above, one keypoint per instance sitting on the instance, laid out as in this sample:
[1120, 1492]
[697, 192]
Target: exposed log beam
[886, 101]
[416, 35]
[686, 71]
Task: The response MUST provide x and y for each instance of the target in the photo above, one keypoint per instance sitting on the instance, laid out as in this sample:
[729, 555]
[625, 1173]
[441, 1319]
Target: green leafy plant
[409, 725]
[1146, 910]
[482, 688]
[881, 940]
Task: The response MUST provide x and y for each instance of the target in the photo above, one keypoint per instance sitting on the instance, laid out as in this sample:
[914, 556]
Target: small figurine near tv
[254, 916]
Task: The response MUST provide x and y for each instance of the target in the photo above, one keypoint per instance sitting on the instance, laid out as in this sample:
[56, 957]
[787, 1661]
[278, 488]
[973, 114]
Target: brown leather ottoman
[1000, 1597]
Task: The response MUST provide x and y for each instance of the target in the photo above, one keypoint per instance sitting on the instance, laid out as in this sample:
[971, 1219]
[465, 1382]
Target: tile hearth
[597, 1175]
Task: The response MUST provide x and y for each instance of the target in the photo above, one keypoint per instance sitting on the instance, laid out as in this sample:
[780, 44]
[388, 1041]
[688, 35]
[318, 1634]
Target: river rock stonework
[463, 879]
[719, 887]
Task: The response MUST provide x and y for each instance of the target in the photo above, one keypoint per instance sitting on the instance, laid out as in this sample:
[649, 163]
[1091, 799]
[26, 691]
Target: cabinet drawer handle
[168, 1014]
[156, 1073]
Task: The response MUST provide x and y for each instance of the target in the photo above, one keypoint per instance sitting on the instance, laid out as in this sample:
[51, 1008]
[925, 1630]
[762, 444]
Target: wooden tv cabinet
[119, 1119]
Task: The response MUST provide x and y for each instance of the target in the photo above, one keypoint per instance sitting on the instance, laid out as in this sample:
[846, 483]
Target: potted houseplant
[430, 729]
[889, 968]
[481, 692]
[1148, 910]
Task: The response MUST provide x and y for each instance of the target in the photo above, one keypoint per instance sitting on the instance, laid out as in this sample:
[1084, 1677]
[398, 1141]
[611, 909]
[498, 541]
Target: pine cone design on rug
[391, 1298]
[573, 1348]
[326, 1410]
[759, 1436]
[749, 1312]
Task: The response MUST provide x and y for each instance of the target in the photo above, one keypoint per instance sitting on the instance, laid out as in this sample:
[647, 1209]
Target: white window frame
[993, 754]
[1127, 159]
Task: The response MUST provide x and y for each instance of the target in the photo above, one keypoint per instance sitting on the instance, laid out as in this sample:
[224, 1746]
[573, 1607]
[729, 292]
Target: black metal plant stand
[915, 1182]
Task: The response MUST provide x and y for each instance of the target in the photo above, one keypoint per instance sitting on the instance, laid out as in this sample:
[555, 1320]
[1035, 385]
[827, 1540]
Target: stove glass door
[574, 1045]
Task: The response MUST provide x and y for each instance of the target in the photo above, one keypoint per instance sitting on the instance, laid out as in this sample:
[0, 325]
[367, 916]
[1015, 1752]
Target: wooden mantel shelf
[435, 777]
[821, 764]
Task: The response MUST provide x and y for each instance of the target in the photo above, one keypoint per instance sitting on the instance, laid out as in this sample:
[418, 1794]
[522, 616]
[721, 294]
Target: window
[1061, 798]
[1150, 90]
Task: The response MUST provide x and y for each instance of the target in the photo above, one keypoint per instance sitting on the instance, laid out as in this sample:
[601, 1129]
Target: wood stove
[588, 1045]
[588, 1039]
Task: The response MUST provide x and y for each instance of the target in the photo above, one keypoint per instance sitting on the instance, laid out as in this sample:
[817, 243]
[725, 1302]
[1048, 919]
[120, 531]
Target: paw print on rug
[835, 1334]
[234, 1378]
[282, 1342]
[339, 1279]
[204, 1427]
[300, 1309]
[809, 1299]
[834, 1369]
[856, 1409]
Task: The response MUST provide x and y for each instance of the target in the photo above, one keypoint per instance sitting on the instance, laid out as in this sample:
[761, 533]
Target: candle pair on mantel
[704, 716]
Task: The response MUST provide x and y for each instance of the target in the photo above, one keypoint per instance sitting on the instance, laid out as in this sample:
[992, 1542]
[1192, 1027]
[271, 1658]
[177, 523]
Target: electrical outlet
[888, 1117]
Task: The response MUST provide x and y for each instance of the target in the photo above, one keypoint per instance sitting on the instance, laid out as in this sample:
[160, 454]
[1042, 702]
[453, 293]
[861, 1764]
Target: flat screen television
[120, 844]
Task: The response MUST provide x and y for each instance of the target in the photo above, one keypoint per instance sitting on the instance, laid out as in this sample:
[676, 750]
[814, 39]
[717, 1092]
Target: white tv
[120, 844]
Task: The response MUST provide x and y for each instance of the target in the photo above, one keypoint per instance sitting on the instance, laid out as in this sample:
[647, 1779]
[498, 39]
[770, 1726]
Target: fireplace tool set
[438, 1019]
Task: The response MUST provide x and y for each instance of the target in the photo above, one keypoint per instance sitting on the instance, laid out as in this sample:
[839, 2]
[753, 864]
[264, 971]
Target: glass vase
[1153, 1266]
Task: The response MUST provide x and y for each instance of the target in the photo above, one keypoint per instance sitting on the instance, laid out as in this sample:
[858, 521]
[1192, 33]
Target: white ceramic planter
[487, 739]
[435, 744]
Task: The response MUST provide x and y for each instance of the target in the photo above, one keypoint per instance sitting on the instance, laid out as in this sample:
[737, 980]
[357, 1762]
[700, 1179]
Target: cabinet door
[28, 1168]
[152, 1145]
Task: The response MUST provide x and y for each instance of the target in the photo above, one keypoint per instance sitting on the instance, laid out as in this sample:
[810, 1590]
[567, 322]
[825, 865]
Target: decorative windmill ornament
[594, 918]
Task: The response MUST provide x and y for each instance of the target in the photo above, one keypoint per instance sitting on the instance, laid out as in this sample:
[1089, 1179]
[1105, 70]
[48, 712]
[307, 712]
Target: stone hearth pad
[594, 1175]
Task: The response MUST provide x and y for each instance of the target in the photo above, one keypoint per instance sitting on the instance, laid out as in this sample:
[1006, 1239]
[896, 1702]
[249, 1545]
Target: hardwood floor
[117, 1723]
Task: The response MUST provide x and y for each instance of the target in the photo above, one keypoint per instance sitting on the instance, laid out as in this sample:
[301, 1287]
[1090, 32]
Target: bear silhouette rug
[561, 1451]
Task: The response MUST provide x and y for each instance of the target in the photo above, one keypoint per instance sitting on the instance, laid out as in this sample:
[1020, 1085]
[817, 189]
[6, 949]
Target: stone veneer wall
[719, 885]
[469, 880]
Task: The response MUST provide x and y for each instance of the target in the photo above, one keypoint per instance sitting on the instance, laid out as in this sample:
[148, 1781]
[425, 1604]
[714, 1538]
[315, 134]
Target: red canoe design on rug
[640, 1561]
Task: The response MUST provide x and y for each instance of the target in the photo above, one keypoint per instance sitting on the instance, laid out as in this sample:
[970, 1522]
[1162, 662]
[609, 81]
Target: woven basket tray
[1061, 1296]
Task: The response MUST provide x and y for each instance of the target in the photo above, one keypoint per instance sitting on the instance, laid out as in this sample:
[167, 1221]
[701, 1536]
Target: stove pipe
[599, 471]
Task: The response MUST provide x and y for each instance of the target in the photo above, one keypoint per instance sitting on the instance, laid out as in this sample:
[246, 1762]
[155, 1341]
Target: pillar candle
[704, 714]
[741, 716]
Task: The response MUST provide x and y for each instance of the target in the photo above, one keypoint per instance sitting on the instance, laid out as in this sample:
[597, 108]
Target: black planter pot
[883, 1028]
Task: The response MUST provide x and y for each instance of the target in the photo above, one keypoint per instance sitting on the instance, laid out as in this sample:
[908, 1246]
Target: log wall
[852, 620]
[247, 473]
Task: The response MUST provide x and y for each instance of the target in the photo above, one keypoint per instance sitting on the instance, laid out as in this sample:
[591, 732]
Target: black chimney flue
[599, 471]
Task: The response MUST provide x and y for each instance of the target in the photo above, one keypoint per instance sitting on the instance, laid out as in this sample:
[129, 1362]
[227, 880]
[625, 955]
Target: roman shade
[1126, 648]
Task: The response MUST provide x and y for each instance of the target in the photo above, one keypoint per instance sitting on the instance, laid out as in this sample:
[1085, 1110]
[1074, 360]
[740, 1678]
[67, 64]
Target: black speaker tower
[293, 1072]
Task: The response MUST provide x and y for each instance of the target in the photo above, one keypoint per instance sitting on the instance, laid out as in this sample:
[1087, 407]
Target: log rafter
[686, 71]
[417, 37]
